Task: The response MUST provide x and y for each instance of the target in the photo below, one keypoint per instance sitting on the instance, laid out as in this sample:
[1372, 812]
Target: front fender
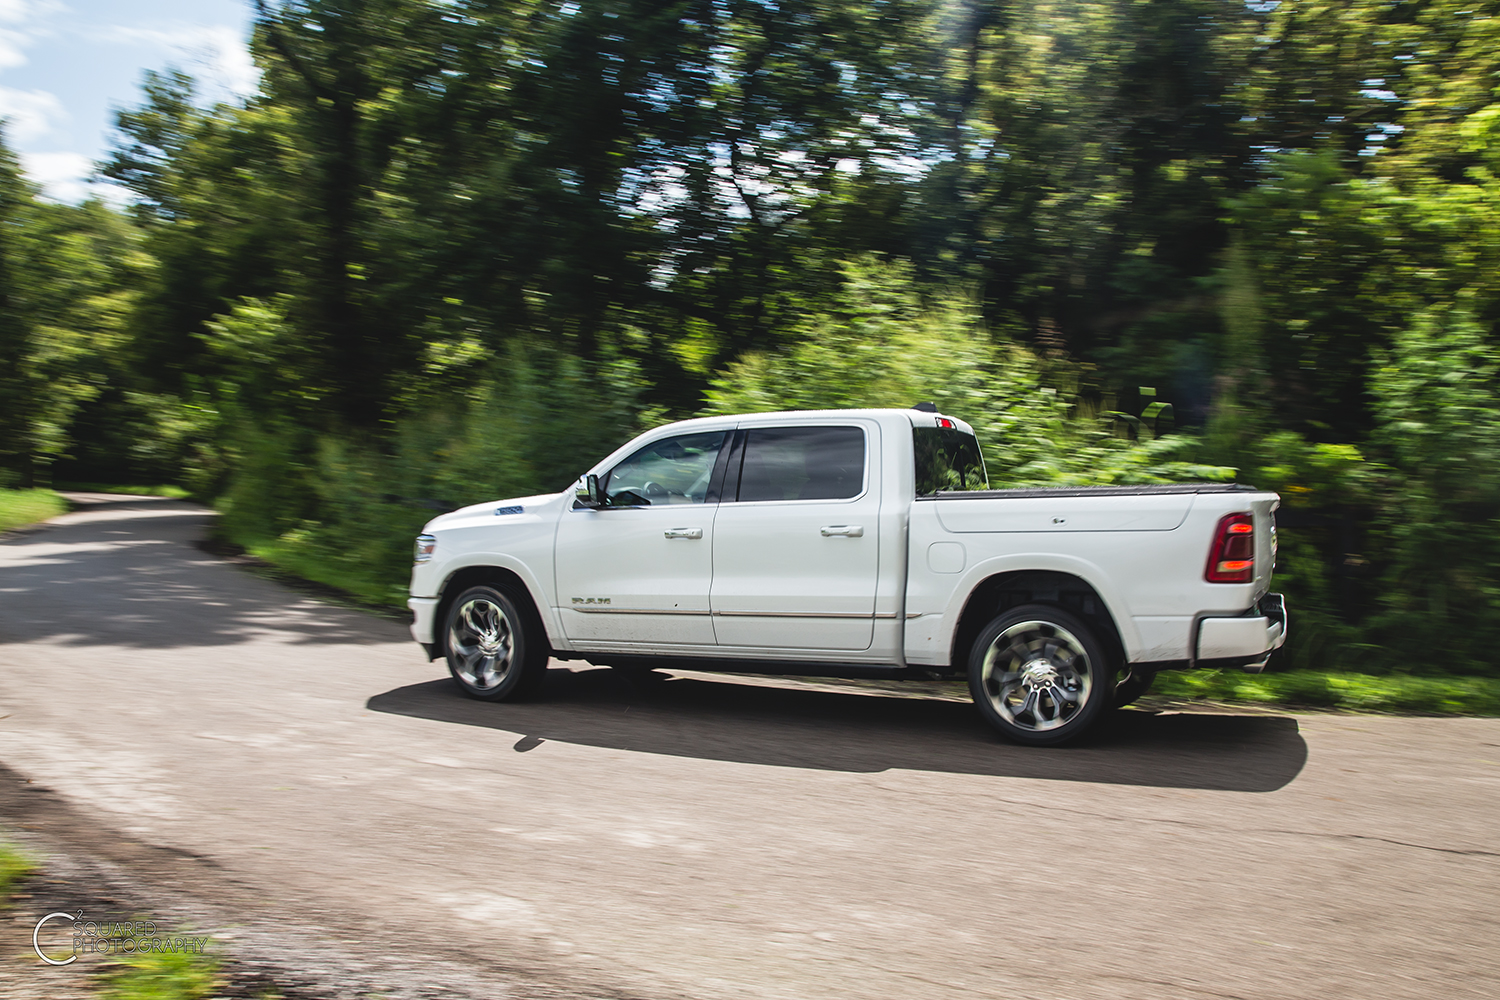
[538, 592]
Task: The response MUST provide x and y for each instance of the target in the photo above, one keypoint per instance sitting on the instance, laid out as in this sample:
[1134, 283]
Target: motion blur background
[446, 251]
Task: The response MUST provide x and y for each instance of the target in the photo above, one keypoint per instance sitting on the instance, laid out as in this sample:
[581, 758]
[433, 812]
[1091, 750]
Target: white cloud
[29, 114]
[14, 10]
[69, 177]
[18, 11]
[217, 55]
[236, 70]
[15, 30]
[63, 176]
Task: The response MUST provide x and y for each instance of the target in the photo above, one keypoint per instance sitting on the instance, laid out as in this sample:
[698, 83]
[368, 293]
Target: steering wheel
[651, 489]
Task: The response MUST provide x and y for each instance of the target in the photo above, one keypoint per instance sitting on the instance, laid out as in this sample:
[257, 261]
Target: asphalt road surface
[296, 778]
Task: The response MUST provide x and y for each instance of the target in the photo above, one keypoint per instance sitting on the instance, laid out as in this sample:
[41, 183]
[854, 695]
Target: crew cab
[853, 542]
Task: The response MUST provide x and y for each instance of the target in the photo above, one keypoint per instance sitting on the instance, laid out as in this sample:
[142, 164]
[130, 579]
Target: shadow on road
[126, 572]
[795, 727]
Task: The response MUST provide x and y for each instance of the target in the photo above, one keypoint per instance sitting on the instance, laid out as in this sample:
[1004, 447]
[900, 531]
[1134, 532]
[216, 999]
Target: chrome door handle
[684, 532]
[849, 530]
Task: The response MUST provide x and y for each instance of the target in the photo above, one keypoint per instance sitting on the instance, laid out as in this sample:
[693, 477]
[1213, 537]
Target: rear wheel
[495, 651]
[1040, 675]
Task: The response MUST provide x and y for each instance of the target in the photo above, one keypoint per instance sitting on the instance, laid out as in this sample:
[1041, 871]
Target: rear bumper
[423, 618]
[1249, 638]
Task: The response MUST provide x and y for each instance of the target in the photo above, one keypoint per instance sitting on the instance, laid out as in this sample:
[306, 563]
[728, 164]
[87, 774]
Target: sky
[67, 65]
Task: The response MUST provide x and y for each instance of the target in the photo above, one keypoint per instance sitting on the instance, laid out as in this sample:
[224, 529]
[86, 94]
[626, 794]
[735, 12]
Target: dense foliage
[458, 249]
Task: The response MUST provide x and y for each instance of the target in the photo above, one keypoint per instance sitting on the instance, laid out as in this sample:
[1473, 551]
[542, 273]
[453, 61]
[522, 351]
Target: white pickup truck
[853, 542]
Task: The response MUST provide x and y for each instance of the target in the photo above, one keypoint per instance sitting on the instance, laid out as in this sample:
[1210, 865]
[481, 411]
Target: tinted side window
[673, 470]
[803, 463]
[947, 459]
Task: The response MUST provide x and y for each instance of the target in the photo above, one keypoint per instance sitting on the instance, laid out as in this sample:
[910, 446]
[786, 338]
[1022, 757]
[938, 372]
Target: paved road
[714, 837]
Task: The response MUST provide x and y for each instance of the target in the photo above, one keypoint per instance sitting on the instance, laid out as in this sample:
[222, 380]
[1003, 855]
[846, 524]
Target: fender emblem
[590, 600]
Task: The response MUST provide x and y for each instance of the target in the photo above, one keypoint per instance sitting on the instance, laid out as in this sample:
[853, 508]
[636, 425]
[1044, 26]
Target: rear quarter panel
[1144, 555]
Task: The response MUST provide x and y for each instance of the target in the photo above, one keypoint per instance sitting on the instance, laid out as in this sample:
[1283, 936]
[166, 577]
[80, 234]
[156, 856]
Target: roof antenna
[928, 407]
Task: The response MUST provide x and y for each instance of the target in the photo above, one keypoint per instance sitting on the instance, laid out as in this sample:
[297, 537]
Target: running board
[727, 665]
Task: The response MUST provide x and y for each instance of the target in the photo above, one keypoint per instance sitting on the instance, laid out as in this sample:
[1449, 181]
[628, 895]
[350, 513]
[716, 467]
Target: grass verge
[1400, 693]
[22, 507]
[341, 571]
[174, 492]
[161, 976]
[327, 579]
[14, 866]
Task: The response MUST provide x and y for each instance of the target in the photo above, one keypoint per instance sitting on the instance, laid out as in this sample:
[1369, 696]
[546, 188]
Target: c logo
[37, 933]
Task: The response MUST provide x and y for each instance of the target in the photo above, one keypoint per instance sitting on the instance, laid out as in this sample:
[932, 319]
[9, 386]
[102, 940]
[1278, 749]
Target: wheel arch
[496, 576]
[999, 592]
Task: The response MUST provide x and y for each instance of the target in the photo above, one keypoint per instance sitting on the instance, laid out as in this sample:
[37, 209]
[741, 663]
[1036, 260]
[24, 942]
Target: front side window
[947, 459]
[803, 463]
[672, 470]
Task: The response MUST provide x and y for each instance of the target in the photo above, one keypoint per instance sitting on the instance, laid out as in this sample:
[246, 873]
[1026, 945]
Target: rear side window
[947, 459]
[803, 463]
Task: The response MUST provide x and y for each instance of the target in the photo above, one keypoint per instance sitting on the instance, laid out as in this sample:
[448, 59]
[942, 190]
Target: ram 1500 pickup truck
[846, 542]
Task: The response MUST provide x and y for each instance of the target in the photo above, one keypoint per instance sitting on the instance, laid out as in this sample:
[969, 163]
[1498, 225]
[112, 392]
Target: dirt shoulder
[89, 869]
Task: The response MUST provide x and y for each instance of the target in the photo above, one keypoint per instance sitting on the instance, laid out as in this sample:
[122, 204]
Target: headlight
[425, 545]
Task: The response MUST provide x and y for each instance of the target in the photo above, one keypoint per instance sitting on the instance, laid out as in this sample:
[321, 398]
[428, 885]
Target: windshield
[947, 459]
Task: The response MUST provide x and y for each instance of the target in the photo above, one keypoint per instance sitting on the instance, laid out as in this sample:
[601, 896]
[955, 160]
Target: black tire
[1132, 686]
[496, 650]
[1040, 675]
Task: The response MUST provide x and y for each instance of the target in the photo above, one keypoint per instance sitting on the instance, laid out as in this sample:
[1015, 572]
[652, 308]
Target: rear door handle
[849, 530]
[684, 532]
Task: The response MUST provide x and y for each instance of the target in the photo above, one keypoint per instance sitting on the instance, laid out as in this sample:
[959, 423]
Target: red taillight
[1232, 558]
[944, 422]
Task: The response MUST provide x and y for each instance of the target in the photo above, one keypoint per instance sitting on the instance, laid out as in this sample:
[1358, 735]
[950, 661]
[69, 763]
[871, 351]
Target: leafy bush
[878, 343]
[1324, 489]
[1437, 398]
[343, 509]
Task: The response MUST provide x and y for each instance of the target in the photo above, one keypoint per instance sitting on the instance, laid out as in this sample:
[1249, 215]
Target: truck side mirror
[588, 492]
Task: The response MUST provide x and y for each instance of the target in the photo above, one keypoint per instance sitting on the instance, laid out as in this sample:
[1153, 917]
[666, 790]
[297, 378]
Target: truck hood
[491, 510]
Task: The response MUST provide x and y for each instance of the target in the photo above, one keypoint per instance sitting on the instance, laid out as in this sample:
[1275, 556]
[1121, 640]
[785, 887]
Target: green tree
[67, 280]
[152, 138]
[15, 334]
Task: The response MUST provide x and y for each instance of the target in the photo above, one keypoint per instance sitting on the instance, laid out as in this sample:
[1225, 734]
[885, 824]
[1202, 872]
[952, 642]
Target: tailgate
[1264, 512]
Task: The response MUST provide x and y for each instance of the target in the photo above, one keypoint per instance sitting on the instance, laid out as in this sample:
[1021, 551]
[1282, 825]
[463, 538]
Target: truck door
[638, 569]
[796, 540]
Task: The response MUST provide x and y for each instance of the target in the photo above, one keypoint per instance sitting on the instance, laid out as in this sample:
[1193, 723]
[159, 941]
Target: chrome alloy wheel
[483, 643]
[1036, 675]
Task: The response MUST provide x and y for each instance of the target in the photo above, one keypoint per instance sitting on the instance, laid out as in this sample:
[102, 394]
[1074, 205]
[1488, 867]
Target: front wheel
[1040, 675]
[494, 651]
